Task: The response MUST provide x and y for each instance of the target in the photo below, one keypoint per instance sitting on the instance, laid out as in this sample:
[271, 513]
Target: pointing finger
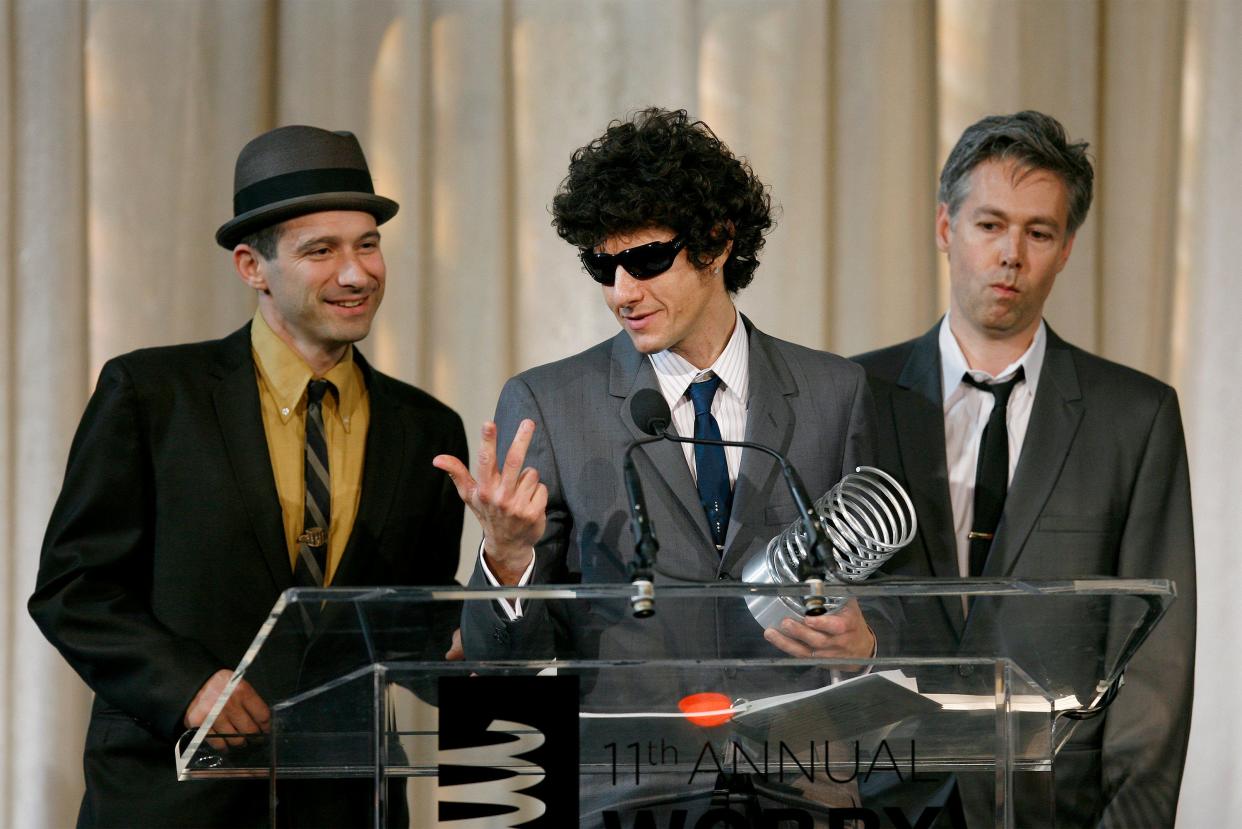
[458, 474]
[516, 455]
[487, 454]
[526, 484]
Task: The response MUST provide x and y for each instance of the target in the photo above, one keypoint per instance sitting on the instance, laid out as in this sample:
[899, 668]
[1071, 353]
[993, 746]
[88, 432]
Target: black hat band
[301, 183]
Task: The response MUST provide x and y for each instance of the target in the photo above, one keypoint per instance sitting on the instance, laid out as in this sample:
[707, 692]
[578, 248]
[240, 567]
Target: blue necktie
[709, 461]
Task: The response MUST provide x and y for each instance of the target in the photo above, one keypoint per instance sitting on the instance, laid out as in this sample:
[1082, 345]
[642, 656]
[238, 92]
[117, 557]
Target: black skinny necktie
[992, 472]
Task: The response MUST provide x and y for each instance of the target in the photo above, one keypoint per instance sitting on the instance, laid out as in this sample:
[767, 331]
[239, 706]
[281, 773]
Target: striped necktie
[312, 563]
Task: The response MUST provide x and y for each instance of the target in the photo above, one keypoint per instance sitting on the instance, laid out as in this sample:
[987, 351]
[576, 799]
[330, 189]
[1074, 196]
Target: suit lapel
[1055, 416]
[920, 436]
[385, 457]
[236, 399]
[919, 421]
[630, 373]
[769, 421]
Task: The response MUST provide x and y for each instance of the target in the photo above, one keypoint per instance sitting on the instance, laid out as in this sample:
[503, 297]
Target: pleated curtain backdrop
[120, 121]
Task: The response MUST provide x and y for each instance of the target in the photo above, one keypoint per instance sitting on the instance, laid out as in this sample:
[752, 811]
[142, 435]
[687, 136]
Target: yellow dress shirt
[282, 377]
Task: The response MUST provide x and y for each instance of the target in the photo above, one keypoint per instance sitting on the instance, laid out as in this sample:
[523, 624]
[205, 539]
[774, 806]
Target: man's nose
[626, 289]
[1013, 249]
[352, 272]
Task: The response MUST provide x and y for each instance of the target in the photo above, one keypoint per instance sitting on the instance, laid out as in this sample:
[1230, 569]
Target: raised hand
[509, 502]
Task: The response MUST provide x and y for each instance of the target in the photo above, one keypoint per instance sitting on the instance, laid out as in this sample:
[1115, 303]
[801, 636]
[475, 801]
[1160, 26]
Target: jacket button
[501, 635]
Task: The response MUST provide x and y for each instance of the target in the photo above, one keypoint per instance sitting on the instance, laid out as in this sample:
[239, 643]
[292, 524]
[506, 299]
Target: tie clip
[973, 535]
[313, 537]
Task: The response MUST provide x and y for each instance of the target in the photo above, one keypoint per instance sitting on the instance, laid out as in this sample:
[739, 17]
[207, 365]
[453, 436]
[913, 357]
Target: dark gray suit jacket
[810, 405]
[1101, 488]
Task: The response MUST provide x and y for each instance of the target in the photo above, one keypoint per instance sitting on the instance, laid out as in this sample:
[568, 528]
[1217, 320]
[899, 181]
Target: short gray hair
[1031, 139]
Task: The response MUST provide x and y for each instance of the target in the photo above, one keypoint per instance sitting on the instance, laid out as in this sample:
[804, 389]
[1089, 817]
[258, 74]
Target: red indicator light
[696, 705]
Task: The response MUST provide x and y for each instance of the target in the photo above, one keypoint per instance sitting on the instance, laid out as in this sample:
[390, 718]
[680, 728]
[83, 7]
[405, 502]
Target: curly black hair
[660, 169]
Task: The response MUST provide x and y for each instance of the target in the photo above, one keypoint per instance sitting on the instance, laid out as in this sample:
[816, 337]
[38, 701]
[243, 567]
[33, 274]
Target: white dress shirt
[966, 412]
[675, 374]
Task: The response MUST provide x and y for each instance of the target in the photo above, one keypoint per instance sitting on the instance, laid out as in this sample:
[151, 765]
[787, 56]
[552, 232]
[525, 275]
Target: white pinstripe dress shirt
[675, 374]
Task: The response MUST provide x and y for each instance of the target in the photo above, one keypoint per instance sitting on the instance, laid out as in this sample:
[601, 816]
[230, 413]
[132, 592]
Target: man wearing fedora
[206, 478]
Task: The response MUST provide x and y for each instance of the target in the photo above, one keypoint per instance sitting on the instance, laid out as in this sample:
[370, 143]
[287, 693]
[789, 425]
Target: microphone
[651, 413]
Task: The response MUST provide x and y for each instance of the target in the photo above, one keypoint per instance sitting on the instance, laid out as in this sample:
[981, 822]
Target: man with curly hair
[669, 223]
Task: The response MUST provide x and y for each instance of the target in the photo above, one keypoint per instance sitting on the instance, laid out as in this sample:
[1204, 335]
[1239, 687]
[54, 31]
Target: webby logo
[508, 752]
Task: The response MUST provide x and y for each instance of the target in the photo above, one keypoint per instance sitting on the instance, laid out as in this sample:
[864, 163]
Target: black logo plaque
[509, 746]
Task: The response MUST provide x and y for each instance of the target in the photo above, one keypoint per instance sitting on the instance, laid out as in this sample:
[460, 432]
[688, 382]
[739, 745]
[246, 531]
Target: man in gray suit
[1027, 457]
[669, 223]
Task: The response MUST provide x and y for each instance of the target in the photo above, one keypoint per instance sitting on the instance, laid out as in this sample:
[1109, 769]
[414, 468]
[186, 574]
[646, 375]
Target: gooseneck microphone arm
[643, 409]
[823, 561]
[645, 544]
[652, 415]
[642, 568]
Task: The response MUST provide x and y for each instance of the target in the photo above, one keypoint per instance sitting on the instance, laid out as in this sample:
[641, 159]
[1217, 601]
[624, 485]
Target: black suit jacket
[166, 551]
[1101, 488]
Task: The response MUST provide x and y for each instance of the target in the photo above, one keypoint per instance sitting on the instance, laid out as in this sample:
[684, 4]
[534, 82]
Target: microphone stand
[642, 603]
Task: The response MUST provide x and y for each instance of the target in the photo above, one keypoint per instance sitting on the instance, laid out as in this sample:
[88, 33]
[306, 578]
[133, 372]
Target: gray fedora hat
[292, 171]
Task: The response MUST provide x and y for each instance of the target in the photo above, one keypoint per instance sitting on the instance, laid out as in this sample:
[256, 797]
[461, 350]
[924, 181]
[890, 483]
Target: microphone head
[650, 411]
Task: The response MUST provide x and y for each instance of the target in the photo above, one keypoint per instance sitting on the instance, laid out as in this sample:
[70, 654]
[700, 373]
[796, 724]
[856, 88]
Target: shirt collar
[675, 373]
[287, 374]
[953, 364]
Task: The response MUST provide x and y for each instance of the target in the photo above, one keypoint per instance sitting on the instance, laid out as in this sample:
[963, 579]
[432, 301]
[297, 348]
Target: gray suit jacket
[810, 405]
[1101, 488]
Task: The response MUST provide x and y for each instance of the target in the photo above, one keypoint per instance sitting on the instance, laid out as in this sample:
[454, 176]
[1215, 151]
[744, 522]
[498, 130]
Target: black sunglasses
[642, 262]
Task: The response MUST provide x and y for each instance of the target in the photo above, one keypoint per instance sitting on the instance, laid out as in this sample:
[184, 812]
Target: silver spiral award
[868, 517]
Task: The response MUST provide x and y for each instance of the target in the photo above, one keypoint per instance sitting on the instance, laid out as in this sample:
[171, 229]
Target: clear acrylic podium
[689, 711]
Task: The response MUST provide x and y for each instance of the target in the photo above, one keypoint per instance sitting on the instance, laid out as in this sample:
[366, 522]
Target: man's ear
[250, 266]
[1065, 251]
[719, 262]
[728, 230]
[944, 227]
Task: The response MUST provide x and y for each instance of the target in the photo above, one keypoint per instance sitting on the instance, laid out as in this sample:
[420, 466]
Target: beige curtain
[120, 120]
[1206, 363]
